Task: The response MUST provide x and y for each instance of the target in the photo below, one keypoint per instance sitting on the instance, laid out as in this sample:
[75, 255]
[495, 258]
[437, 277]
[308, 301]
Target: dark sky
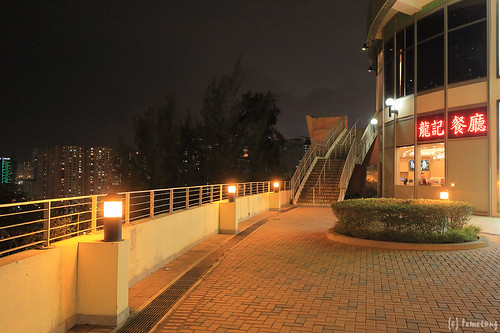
[73, 72]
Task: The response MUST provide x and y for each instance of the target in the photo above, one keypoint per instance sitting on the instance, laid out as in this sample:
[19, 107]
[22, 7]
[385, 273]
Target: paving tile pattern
[287, 276]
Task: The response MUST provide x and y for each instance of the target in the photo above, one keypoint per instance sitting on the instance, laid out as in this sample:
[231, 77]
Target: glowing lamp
[390, 102]
[374, 121]
[231, 190]
[443, 195]
[113, 218]
[112, 208]
[276, 186]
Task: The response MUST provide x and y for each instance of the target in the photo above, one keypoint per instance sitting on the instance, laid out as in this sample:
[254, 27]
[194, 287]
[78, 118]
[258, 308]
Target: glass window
[467, 53]
[430, 26]
[406, 166]
[430, 64]
[410, 36]
[410, 71]
[466, 11]
[432, 157]
[389, 69]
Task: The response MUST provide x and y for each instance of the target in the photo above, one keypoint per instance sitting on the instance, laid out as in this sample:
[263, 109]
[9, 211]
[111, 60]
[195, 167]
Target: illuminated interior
[432, 170]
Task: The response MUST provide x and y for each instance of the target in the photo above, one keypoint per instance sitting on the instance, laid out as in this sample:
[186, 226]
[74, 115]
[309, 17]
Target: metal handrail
[26, 225]
[351, 136]
[316, 149]
[355, 156]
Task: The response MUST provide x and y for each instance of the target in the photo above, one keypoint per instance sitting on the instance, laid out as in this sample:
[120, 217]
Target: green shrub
[405, 220]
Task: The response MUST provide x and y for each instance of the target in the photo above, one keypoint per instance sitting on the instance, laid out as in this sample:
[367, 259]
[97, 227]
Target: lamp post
[231, 190]
[113, 218]
[276, 187]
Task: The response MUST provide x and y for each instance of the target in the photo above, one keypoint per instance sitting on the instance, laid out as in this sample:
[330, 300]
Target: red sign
[461, 124]
[431, 127]
[468, 123]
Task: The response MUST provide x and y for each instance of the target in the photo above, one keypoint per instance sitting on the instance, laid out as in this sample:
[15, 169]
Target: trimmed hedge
[405, 220]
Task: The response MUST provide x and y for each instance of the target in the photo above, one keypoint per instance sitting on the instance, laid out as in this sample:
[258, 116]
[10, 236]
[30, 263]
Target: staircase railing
[317, 149]
[355, 156]
[348, 141]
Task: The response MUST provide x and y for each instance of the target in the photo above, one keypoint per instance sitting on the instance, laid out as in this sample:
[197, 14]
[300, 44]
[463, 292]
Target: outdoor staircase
[328, 176]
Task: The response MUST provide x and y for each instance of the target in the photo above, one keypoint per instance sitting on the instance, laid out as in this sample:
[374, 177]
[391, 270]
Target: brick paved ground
[287, 276]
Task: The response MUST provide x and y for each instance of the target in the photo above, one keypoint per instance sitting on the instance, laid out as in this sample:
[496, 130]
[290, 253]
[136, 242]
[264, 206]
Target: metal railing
[338, 152]
[35, 224]
[317, 149]
[356, 155]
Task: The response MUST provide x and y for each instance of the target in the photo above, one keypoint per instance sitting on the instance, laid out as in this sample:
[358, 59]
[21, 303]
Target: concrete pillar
[228, 223]
[102, 284]
[274, 201]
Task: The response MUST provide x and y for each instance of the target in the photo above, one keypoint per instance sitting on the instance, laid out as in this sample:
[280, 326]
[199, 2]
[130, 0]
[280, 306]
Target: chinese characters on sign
[430, 127]
[468, 123]
[461, 124]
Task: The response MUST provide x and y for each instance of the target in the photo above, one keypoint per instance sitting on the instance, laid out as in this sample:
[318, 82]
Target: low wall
[38, 288]
[157, 241]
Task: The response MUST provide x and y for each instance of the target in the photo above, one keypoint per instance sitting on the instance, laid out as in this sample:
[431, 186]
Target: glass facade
[466, 36]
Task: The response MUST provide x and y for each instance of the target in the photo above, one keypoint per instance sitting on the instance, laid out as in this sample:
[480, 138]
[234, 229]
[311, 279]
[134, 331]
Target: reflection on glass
[405, 165]
[432, 158]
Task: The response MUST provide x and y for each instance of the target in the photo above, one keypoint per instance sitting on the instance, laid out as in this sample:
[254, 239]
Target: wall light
[276, 187]
[371, 69]
[365, 47]
[231, 190]
[390, 102]
[113, 210]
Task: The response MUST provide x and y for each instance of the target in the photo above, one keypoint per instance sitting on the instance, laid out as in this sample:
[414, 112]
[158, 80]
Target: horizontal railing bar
[23, 235]
[20, 247]
[69, 225]
[23, 212]
[72, 233]
[21, 224]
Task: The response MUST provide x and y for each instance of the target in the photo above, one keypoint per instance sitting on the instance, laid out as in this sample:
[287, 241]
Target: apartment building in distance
[69, 171]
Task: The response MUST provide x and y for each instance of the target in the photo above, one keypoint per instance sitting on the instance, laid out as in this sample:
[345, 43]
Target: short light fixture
[276, 187]
[443, 195]
[113, 210]
[365, 47]
[390, 102]
[371, 69]
[231, 193]
[374, 123]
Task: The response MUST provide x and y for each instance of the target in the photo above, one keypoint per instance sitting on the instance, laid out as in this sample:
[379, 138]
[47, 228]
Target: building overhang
[381, 11]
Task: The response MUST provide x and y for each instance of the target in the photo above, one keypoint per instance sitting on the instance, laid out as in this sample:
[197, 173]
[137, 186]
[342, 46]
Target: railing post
[201, 196]
[171, 200]
[151, 203]
[187, 197]
[220, 192]
[94, 214]
[127, 207]
[211, 193]
[46, 223]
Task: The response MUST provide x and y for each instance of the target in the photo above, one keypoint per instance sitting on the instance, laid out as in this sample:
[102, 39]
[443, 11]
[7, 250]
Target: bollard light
[443, 195]
[276, 187]
[231, 190]
[113, 208]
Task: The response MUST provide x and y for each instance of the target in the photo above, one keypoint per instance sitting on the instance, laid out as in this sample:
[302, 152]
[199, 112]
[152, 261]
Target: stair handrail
[316, 149]
[351, 135]
[357, 154]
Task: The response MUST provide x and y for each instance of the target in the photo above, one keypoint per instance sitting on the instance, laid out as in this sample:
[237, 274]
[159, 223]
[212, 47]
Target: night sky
[73, 72]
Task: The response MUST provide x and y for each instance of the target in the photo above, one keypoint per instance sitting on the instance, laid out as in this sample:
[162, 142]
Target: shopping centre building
[437, 65]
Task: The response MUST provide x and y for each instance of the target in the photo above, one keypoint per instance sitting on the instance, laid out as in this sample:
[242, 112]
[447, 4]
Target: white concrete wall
[38, 288]
[155, 242]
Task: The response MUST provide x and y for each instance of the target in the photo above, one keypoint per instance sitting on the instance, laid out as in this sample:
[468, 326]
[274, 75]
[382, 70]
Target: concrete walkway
[287, 276]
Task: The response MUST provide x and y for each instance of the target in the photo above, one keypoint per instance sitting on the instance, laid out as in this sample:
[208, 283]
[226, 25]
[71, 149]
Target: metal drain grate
[152, 313]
